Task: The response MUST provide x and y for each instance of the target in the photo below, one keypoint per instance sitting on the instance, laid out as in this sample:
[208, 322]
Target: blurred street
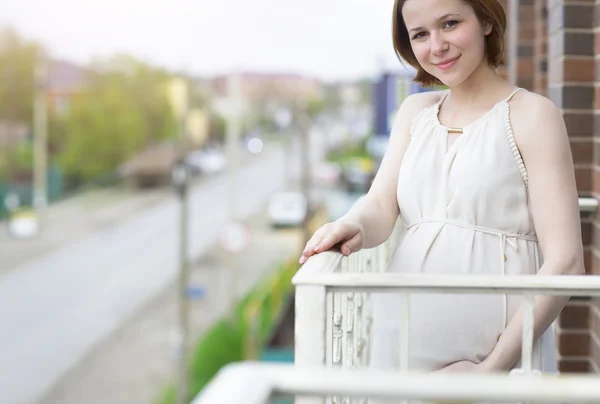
[54, 308]
[137, 359]
[94, 299]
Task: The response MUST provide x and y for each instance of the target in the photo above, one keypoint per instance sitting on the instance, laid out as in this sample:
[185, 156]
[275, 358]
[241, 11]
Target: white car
[207, 161]
[287, 209]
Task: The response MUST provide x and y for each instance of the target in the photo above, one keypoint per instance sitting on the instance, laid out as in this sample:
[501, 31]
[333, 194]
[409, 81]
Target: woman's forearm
[507, 351]
[376, 221]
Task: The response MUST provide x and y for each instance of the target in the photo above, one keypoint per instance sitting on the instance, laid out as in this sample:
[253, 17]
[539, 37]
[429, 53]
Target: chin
[450, 80]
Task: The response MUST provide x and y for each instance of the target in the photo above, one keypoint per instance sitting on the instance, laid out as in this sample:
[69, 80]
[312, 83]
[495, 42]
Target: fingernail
[317, 248]
[345, 250]
[302, 260]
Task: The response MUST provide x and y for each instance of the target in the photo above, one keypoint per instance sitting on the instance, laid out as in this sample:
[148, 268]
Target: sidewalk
[137, 361]
[74, 218]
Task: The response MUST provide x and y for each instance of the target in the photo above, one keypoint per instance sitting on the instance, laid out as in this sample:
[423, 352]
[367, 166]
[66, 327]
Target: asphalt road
[55, 308]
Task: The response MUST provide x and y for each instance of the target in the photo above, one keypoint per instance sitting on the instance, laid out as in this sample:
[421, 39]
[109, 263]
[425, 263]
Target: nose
[438, 44]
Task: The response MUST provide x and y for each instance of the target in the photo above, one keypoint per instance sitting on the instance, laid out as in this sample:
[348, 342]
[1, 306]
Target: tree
[18, 58]
[102, 129]
[123, 110]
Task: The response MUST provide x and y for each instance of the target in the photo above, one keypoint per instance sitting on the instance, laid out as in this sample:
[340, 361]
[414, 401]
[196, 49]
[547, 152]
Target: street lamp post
[229, 278]
[178, 94]
[40, 197]
[181, 183]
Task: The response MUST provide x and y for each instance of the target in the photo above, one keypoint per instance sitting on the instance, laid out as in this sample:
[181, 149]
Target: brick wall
[540, 47]
[571, 77]
[525, 44]
[595, 268]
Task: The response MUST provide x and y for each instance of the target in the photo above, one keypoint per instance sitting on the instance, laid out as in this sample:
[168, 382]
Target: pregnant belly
[444, 328]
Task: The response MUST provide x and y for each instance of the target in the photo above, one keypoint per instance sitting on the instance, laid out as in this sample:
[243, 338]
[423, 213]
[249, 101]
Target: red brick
[583, 152]
[583, 177]
[587, 260]
[574, 343]
[575, 316]
[567, 365]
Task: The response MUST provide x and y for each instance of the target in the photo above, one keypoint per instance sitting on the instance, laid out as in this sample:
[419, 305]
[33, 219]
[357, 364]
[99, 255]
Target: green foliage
[168, 395]
[18, 58]
[117, 115]
[24, 156]
[224, 342]
[349, 152]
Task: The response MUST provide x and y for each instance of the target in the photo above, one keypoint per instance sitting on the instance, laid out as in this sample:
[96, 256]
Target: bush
[224, 342]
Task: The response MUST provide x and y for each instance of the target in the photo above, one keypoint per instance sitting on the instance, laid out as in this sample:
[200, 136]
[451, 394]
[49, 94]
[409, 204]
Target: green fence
[55, 189]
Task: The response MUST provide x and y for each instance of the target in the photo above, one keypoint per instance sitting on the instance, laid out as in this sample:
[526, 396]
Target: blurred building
[261, 86]
[65, 80]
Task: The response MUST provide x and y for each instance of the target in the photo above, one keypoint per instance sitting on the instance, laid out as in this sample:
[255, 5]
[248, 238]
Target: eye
[419, 35]
[450, 24]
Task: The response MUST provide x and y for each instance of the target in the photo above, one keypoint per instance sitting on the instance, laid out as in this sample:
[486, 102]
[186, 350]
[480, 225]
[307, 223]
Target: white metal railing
[332, 334]
[253, 383]
[333, 314]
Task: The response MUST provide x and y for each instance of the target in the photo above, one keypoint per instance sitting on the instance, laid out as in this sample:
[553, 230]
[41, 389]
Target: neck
[483, 84]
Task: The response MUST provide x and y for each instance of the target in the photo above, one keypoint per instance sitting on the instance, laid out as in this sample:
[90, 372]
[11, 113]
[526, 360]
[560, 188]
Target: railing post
[311, 336]
[404, 314]
[528, 328]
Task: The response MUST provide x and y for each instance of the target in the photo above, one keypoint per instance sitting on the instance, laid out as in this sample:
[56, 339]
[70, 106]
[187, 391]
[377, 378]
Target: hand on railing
[346, 235]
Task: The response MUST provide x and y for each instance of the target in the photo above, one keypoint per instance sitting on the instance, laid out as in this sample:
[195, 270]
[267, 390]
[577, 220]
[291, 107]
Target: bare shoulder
[414, 103]
[532, 116]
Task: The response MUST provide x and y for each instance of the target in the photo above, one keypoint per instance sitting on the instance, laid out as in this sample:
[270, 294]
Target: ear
[487, 28]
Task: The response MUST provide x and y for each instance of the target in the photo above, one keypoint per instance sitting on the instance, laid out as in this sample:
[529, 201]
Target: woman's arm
[371, 221]
[378, 211]
[540, 132]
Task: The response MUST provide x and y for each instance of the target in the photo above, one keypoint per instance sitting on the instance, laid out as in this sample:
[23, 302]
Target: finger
[352, 245]
[338, 235]
[319, 236]
[315, 240]
[328, 241]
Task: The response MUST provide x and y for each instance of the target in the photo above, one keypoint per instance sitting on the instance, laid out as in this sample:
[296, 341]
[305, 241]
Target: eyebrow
[437, 19]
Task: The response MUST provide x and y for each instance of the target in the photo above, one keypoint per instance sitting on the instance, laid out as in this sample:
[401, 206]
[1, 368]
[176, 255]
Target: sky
[329, 39]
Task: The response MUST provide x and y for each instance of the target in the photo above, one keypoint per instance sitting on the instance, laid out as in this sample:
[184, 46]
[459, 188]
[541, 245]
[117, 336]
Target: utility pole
[181, 182]
[179, 100]
[40, 124]
[229, 281]
[233, 137]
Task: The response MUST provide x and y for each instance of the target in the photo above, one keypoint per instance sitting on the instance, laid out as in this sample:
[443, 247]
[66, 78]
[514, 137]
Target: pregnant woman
[482, 176]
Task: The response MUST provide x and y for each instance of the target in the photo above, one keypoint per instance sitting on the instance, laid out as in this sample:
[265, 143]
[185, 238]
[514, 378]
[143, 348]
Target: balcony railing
[253, 383]
[333, 330]
[333, 311]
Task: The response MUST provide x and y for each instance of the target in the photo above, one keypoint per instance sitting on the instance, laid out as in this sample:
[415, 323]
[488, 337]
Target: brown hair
[490, 11]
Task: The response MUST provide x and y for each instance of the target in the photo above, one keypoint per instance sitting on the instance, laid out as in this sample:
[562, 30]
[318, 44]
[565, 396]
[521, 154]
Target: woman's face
[447, 38]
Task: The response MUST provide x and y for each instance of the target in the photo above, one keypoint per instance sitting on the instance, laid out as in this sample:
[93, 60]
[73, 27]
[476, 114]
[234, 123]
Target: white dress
[466, 212]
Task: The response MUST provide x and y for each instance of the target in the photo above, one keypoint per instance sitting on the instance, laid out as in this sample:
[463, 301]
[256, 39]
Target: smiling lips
[447, 64]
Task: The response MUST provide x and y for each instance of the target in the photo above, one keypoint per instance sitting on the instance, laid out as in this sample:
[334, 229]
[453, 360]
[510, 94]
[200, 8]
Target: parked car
[287, 209]
[207, 161]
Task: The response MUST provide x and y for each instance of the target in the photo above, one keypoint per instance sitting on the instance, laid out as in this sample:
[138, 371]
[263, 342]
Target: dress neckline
[437, 106]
